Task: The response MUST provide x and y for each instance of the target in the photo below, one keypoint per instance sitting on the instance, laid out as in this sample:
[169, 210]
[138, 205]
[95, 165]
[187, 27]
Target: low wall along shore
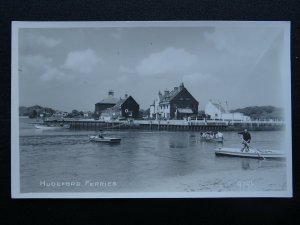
[175, 125]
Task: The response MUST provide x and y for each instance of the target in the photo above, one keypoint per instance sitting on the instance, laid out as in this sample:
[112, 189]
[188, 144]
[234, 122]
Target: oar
[249, 146]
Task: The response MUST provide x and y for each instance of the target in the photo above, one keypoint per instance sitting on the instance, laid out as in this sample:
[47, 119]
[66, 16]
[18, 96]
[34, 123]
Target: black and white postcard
[177, 109]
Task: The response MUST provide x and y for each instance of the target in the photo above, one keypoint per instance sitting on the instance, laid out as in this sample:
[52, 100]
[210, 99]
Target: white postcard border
[15, 151]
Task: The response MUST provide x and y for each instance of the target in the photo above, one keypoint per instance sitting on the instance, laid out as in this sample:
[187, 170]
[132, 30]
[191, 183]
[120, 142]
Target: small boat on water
[211, 136]
[251, 153]
[52, 126]
[100, 138]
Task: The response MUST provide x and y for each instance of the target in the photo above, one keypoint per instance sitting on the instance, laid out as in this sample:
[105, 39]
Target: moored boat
[251, 153]
[52, 126]
[100, 138]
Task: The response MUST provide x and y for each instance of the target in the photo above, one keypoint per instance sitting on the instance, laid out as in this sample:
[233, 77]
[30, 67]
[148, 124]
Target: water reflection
[177, 144]
[250, 164]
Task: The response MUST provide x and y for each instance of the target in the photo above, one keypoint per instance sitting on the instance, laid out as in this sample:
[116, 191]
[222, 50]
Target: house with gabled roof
[105, 103]
[175, 104]
[124, 108]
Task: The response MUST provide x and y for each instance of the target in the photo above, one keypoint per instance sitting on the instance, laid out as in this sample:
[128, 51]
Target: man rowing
[246, 140]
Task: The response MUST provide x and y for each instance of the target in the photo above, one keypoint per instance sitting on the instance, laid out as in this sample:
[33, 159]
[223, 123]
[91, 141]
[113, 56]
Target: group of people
[210, 134]
[246, 138]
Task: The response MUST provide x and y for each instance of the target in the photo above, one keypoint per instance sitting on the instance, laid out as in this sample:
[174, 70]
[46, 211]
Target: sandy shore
[270, 179]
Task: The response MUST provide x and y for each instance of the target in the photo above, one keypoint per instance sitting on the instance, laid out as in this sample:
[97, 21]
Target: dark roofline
[120, 103]
[173, 96]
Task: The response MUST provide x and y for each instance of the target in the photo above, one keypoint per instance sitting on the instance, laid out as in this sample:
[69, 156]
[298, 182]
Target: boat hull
[219, 139]
[45, 127]
[252, 153]
[105, 139]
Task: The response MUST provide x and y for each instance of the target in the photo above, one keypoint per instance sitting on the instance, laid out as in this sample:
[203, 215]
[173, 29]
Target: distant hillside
[261, 112]
[34, 111]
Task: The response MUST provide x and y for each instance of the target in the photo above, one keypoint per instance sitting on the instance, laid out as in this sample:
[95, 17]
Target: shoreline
[171, 125]
[271, 179]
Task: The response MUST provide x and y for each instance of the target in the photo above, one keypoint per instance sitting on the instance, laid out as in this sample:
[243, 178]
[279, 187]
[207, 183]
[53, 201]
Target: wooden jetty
[175, 125]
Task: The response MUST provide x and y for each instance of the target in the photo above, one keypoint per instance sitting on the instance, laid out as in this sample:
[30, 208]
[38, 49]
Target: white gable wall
[213, 111]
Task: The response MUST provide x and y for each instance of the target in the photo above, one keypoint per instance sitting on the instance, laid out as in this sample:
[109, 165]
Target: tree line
[262, 112]
[36, 110]
[255, 112]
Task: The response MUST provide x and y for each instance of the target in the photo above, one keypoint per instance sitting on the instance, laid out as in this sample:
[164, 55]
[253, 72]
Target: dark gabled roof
[169, 96]
[166, 98]
[109, 100]
[118, 105]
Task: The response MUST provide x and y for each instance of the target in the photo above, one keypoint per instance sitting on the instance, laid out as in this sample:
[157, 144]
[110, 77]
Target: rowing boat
[210, 136]
[212, 139]
[252, 153]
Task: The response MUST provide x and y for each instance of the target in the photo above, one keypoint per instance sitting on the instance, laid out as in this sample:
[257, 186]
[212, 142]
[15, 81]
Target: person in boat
[219, 134]
[201, 134]
[246, 139]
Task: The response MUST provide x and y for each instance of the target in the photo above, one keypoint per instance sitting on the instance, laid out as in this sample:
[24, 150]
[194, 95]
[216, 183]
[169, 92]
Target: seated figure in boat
[246, 140]
[203, 134]
[219, 134]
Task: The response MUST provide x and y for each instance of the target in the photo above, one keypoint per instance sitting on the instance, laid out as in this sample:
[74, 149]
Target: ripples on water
[141, 159]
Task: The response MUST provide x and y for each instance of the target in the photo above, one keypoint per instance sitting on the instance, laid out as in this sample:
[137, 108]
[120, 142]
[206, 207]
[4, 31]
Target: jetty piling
[175, 125]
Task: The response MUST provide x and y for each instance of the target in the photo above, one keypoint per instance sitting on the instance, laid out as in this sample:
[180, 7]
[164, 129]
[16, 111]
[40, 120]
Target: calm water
[65, 160]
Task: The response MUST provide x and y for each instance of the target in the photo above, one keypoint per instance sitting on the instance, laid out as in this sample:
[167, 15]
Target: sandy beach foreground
[271, 179]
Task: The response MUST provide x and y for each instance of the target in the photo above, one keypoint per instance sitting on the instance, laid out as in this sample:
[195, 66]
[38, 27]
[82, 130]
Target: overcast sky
[74, 68]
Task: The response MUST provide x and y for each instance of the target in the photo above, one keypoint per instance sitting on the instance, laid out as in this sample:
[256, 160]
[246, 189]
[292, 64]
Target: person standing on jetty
[246, 140]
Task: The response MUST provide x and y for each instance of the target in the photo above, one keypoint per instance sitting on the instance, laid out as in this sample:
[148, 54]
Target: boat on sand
[251, 153]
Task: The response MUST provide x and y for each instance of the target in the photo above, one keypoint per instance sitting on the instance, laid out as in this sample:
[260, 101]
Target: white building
[235, 117]
[214, 110]
[155, 108]
[87, 114]
[217, 112]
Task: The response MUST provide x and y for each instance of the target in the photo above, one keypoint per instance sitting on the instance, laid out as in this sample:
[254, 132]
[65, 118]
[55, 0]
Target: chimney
[175, 88]
[126, 96]
[166, 92]
[111, 93]
[181, 86]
